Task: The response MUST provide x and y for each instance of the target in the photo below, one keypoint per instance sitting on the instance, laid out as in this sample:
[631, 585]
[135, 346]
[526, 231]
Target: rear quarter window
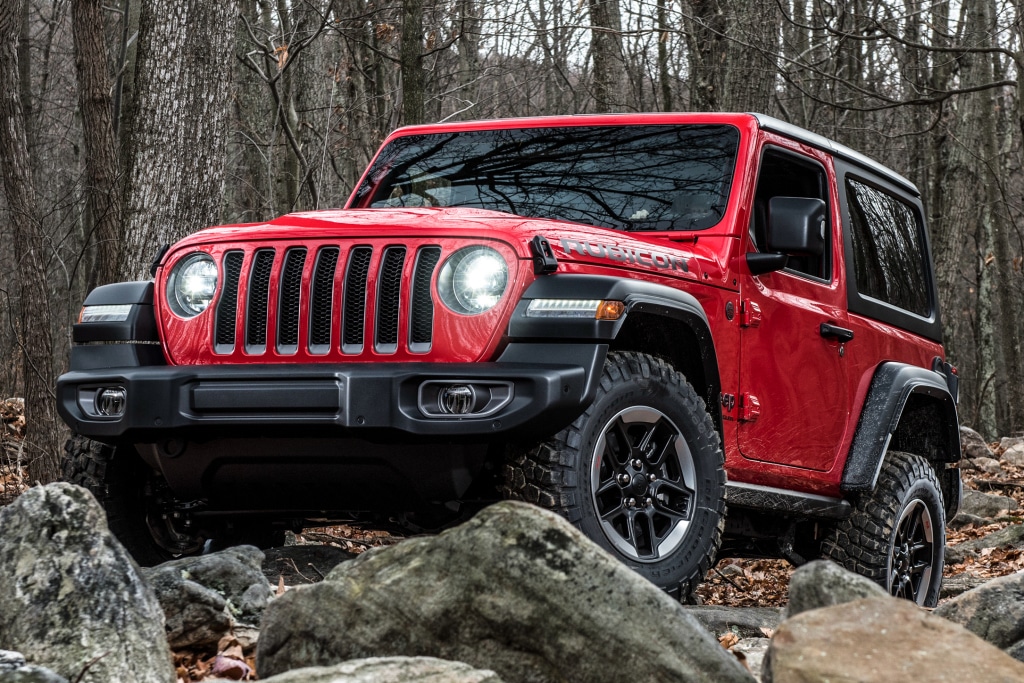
[888, 251]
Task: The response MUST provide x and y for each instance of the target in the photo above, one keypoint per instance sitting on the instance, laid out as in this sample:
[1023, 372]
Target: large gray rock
[1011, 536]
[745, 622]
[985, 505]
[988, 466]
[389, 670]
[993, 611]
[516, 590]
[953, 586]
[972, 445]
[823, 583]
[71, 598]
[1008, 442]
[1014, 455]
[30, 673]
[14, 669]
[879, 641]
[205, 597]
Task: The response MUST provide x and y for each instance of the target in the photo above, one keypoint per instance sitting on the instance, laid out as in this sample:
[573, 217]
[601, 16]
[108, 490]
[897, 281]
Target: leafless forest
[128, 124]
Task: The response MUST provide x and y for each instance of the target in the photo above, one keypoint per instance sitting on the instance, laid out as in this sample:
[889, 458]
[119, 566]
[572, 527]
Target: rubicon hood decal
[614, 252]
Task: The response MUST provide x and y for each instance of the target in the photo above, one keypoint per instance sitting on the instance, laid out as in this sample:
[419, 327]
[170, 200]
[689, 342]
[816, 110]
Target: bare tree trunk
[30, 284]
[606, 50]
[410, 57]
[754, 28]
[103, 197]
[179, 129]
[664, 78]
[706, 52]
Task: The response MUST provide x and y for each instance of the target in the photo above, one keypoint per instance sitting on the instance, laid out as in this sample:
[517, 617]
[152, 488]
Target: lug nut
[631, 502]
[652, 478]
[637, 463]
[649, 503]
[623, 479]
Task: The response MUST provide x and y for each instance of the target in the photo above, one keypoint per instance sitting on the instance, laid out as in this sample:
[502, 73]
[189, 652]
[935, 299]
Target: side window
[888, 257]
[787, 175]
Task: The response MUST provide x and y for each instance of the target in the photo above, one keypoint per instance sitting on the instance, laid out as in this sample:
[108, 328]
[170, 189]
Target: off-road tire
[881, 531]
[558, 473]
[118, 478]
[126, 487]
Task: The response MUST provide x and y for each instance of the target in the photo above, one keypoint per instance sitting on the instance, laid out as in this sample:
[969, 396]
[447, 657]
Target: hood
[696, 255]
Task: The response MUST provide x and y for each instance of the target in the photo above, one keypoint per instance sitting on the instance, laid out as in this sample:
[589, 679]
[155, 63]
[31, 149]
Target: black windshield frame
[660, 177]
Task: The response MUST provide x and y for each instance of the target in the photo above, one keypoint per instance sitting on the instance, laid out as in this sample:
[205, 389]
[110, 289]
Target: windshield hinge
[544, 260]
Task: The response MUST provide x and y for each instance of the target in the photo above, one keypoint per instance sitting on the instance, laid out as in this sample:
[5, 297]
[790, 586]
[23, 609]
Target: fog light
[111, 402]
[456, 399]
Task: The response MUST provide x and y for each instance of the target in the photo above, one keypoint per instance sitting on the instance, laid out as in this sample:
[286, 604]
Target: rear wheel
[640, 473]
[896, 535]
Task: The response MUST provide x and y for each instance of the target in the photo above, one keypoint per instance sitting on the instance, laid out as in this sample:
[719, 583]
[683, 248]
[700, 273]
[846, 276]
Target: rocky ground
[986, 541]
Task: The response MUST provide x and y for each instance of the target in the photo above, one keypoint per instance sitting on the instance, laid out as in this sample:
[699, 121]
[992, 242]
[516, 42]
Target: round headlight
[192, 284]
[472, 280]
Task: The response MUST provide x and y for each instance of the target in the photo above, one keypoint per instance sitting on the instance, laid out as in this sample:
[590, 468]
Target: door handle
[835, 332]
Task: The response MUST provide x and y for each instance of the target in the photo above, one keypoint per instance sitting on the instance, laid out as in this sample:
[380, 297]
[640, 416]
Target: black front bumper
[379, 400]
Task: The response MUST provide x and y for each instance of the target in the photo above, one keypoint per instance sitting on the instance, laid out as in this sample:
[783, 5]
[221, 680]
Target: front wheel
[640, 473]
[138, 504]
[896, 535]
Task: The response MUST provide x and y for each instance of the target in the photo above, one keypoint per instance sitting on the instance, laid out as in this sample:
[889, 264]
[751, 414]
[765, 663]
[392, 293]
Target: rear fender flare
[891, 388]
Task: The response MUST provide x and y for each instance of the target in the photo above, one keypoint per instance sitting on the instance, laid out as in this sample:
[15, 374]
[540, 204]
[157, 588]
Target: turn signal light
[610, 310]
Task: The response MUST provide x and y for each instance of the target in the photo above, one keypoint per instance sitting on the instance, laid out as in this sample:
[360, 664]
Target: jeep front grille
[270, 295]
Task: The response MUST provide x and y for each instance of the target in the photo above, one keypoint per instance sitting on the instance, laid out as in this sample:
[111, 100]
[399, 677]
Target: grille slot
[227, 307]
[259, 297]
[289, 300]
[421, 308]
[354, 312]
[389, 294]
[321, 300]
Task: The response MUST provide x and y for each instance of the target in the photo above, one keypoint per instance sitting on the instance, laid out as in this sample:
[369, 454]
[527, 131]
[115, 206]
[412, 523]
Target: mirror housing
[796, 225]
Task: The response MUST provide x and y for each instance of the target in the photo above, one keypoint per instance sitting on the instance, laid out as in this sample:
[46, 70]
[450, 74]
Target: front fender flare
[639, 296]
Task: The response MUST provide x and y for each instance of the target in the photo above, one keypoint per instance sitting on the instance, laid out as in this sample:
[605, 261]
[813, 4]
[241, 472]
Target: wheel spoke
[643, 537]
[659, 457]
[617, 443]
[606, 486]
[612, 513]
[673, 501]
[912, 525]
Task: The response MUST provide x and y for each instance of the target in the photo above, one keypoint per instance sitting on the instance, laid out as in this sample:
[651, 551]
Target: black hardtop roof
[820, 142]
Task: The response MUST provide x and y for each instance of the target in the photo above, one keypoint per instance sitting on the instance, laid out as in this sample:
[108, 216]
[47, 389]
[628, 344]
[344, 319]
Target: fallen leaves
[747, 583]
[351, 537]
[229, 662]
[13, 475]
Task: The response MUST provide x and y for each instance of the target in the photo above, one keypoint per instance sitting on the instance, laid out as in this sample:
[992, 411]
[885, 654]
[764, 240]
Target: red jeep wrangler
[599, 314]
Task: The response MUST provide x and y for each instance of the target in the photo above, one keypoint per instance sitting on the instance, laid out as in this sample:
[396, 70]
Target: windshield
[663, 177]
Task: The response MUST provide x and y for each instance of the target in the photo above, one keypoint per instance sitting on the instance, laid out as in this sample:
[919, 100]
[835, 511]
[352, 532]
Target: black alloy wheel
[896, 535]
[640, 473]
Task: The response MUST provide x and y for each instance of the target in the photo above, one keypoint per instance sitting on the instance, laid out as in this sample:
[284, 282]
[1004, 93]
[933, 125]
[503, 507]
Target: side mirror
[796, 225]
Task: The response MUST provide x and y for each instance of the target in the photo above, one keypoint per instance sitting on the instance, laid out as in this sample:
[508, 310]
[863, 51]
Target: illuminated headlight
[192, 284]
[473, 280]
[113, 313]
